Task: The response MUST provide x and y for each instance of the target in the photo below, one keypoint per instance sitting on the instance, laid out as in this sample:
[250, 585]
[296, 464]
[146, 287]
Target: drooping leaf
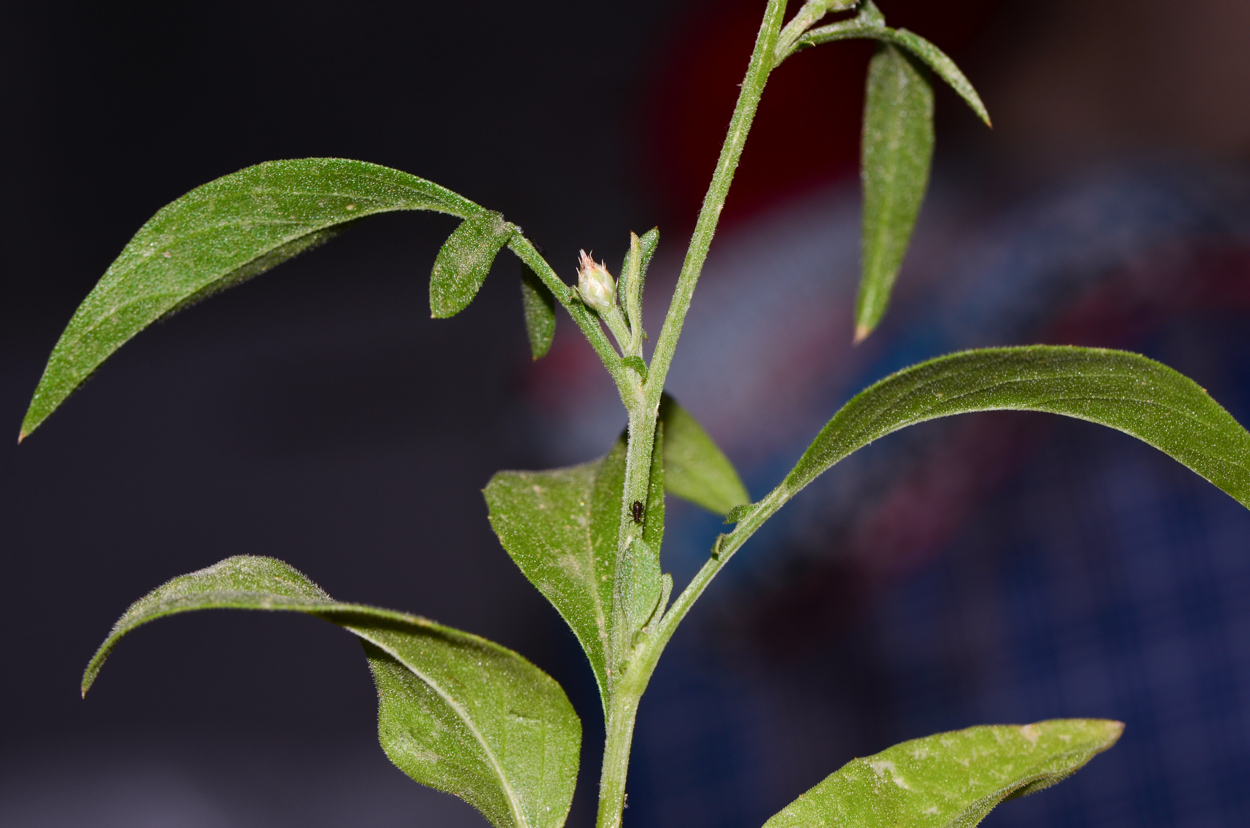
[560, 527]
[465, 260]
[456, 712]
[1124, 391]
[695, 467]
[540, 312]
[870, 24]
[897, 150]
[950, 780]
[216, 236]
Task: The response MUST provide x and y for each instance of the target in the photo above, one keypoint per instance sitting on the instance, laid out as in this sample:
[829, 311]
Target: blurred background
[993, 568]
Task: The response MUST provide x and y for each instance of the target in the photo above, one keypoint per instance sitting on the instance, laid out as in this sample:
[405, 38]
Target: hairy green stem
[625, 379]
[636, 664]
[762, 62]
[726, 545]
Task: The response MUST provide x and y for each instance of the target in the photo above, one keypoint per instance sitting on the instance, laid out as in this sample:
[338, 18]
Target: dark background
[318, 415]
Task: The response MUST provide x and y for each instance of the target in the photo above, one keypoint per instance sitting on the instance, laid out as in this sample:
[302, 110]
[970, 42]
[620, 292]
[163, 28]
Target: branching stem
[636, 663]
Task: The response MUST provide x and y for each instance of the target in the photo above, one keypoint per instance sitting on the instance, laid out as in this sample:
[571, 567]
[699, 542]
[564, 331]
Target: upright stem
[762, 62]
[635, 664]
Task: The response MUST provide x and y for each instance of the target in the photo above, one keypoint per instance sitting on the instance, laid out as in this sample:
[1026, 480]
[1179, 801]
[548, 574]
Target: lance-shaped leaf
[456, 712]
[540, 312]
[561, 527]
[897, 150]
[633, 276]
[694, 466]
[465, 260]
[870, 25]
[951, 780]
[219, 235]
[1124, 391]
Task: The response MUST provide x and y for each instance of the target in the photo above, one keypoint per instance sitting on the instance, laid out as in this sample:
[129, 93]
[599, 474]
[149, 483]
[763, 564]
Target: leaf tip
[21, 435]
[861, 333]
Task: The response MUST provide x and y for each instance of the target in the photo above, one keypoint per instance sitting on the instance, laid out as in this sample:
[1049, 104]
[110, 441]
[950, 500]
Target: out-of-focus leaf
[540, 312]
[464, 261]
[951, 780]
[869, 24]
[1124, 391]
[694, 466]
[897, 150]
[456, 712]
[219, 235]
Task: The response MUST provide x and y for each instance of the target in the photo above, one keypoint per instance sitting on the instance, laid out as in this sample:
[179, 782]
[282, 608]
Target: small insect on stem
[636, 511]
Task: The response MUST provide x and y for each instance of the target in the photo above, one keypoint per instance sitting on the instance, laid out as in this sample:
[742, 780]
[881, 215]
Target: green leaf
[951, 780]
[1124, 391]
[456, 712]
[560, 527]
[540, 312]
[897, 150]
[870, 24]
[638, 576]
[634, 275]
[219, 235]
[464, 261]
[695, 467]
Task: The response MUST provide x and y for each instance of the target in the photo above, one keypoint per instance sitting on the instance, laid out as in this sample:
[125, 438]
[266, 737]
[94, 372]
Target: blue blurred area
[994, 568]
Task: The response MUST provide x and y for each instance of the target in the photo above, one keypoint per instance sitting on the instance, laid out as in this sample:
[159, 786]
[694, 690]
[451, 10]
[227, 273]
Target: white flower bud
[595, 284]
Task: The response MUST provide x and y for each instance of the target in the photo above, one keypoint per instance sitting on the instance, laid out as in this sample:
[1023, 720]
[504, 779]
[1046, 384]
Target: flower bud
[595, 284]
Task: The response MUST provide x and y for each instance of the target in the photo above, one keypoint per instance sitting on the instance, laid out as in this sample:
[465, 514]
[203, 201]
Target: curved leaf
[694, 466]
[539, 306]
[950, 780]
[465, 260]
[870, 25]
[897, 150]
[456, 712]
[216, 236]
[1124, 391]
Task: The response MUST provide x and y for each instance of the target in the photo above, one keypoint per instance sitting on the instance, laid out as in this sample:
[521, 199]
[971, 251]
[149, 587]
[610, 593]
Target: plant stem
[626, 381]
[634, 665]
[620, 735]
[762, 62]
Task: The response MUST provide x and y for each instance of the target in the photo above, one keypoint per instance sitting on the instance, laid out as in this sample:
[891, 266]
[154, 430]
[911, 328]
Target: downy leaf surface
[694, 466]
[563, 538]
[219, 235]
[455, 712]
[562, 528]
[1125, 391]
[897, 151]
[950, 780]
[465, 260]
[540, 312]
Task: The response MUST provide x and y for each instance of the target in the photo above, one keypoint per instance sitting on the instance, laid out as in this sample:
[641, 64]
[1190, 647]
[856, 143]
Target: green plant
[469, 717]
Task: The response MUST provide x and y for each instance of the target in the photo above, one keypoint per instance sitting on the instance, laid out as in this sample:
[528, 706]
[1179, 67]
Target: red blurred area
[807, 131]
